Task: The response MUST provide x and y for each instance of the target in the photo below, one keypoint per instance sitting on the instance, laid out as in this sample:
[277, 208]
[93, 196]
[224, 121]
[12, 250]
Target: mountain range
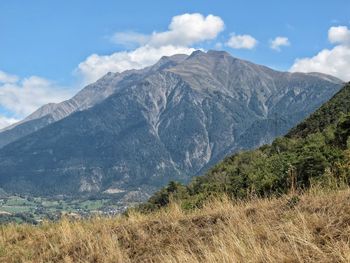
[130, 133]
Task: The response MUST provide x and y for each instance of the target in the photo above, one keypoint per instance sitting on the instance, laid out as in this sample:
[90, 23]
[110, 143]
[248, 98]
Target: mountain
[132, 132]
[86, 98]
[315, 152]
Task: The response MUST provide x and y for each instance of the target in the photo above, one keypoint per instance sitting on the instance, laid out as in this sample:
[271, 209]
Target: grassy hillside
[314, 227]
[317, 152]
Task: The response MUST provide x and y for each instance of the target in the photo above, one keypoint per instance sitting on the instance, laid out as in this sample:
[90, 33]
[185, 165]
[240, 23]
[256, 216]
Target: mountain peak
[218, 53]
[176, 58]
[168, 61]
[209, 101]
[197, 53]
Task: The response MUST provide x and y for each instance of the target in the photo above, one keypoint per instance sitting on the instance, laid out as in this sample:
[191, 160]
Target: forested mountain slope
[317, 151]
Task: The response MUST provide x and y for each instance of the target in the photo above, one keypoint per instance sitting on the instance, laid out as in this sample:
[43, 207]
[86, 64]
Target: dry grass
[315, 228]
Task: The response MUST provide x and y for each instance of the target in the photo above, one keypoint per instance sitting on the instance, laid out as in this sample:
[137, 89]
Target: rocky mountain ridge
[137, 130]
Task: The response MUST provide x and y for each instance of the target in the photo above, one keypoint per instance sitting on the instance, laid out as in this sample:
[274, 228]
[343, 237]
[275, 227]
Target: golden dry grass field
[314, 227]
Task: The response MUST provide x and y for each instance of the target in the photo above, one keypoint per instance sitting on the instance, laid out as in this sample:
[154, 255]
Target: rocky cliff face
[139, 129]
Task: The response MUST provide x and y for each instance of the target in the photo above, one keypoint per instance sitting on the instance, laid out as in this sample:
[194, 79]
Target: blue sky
[42, 43]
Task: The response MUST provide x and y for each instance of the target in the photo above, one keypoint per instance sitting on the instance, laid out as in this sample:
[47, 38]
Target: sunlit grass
[314, 227]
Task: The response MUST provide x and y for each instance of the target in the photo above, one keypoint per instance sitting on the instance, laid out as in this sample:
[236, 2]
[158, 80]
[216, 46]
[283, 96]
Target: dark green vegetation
[329, 114]
[316, 152]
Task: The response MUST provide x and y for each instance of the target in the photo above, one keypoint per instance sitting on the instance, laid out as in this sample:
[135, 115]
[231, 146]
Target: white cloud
[184, 31]
[22, 97]
[7, 78]
[219, 45]
[5, 122]
[335, 61]
[188, 29]
[95, 66]
[242, 42]
[339, 35]
[278, 42]
[130, 38]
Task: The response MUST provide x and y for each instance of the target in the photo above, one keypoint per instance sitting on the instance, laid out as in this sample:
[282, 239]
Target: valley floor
[314, 227]
[27, 209]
